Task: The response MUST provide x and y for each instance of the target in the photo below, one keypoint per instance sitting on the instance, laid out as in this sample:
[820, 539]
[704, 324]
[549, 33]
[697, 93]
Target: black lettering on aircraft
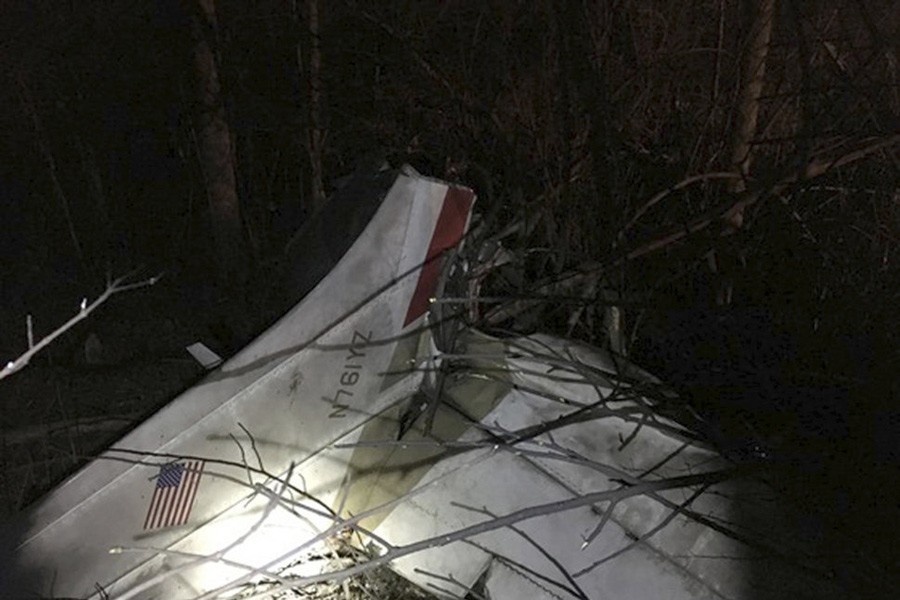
[339, 409]
[349, 376]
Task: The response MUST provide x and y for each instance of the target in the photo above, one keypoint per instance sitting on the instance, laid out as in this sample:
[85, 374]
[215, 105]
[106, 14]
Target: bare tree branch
[678, 186]
[725, 210]
[85, 309]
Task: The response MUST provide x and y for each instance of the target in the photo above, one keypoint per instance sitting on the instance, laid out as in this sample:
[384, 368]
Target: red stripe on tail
[448, 231]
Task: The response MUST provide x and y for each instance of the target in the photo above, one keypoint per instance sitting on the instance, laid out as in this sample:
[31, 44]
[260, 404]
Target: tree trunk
[315, 134]
[754, 76]
[725, 260]
[215, 151]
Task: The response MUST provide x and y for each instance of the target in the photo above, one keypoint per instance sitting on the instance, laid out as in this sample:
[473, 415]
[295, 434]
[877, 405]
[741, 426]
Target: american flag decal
[173, 496]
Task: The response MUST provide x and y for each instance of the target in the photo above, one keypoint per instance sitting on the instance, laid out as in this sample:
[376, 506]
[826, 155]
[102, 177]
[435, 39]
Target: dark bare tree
[215, 149]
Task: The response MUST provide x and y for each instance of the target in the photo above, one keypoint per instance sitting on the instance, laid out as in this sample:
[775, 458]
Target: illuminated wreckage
[369, 417]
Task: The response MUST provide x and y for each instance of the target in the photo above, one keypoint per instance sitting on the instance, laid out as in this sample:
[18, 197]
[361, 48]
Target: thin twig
[40, 135]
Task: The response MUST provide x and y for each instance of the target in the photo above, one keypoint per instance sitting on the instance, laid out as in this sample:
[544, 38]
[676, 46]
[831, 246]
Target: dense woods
[725, 174]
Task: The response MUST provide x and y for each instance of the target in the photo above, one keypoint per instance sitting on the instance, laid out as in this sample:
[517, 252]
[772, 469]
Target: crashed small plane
[368, 418]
